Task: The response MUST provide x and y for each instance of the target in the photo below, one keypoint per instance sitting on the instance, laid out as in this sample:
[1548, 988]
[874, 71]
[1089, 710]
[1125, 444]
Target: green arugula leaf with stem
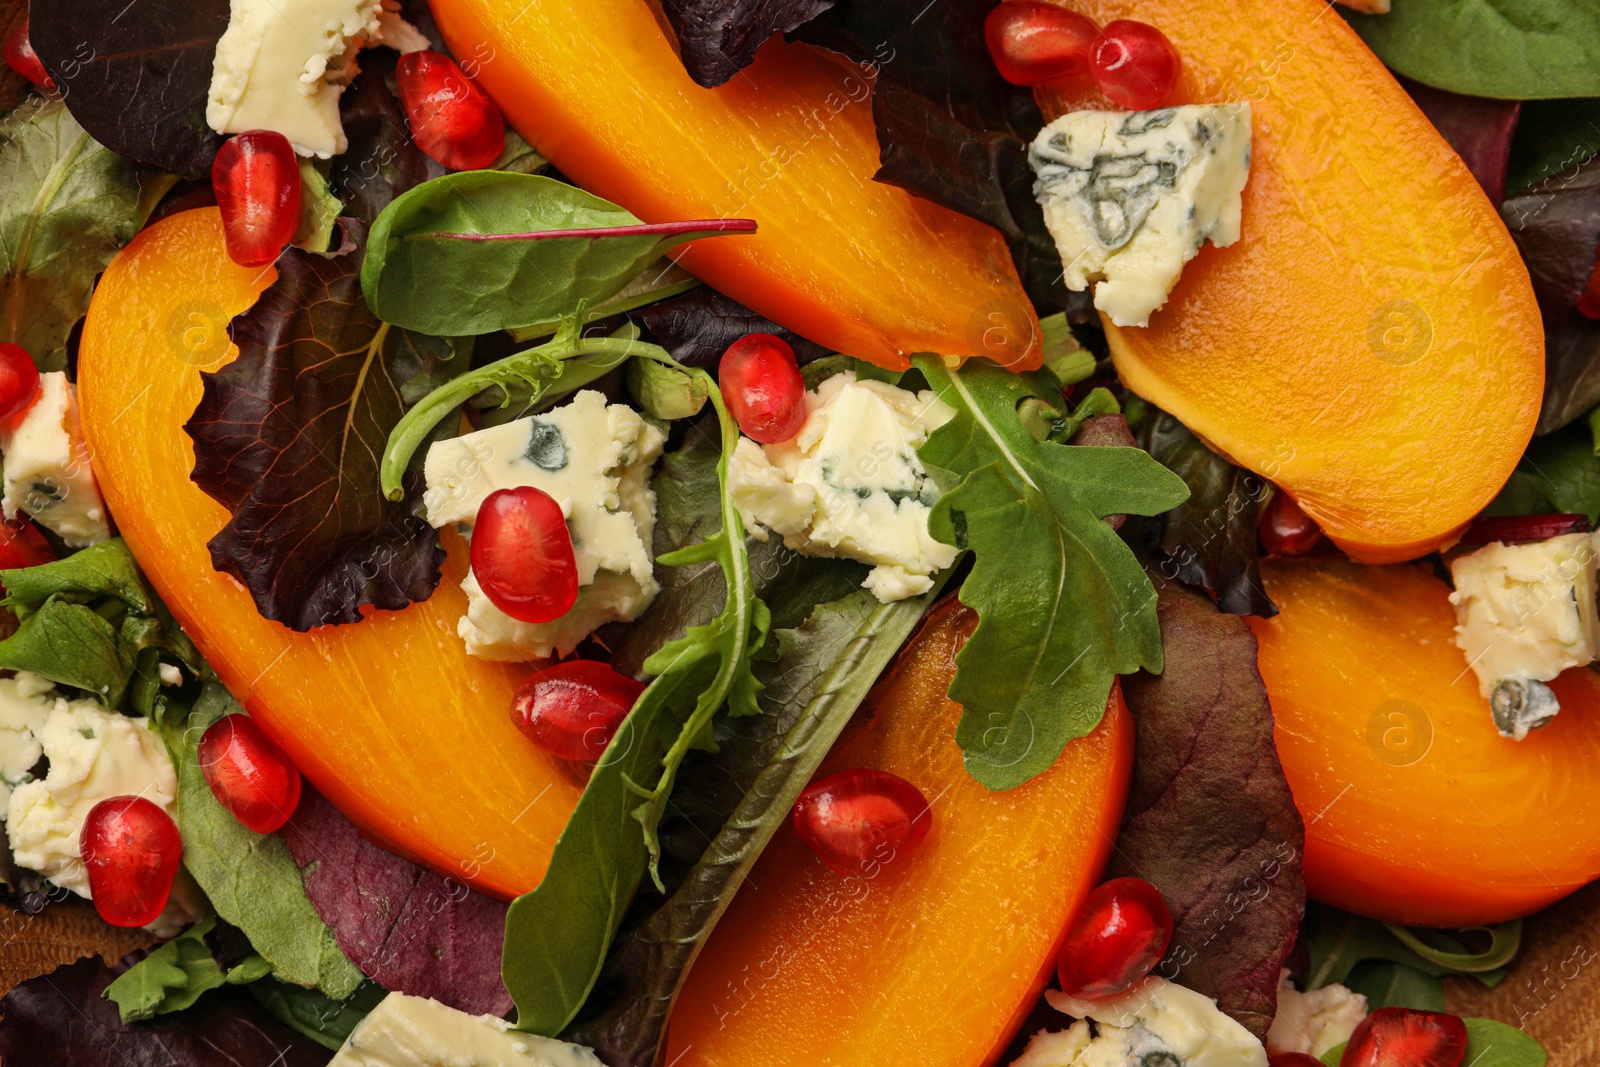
[177, 974]
[1063, 605]
[481, 251]
[557, 935]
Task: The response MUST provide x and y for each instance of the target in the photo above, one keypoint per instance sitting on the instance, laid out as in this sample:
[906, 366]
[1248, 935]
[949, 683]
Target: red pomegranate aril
[1135, 65]
[248, 774]
[256, 177]
[1119, 934]
[19, 380]
[522, 555]
[1292, 1059]
[22, 545]
[1285, 529]
[452, 119]
[1034, 42]
[573, 709]
[861, 819]
[21, 58]
[760, 380]
[1523, 529]
[131, 851]
[1406, 1037]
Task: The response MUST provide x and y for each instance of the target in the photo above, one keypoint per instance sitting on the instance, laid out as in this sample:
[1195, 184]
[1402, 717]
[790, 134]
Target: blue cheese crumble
[850, 484]
[47, 472]
[594, 459]
[1129, 197]
[1156, 1024]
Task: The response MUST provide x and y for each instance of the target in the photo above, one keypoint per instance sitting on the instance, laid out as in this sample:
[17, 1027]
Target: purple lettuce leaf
[408, 929]
[718, 38]
[697, 327]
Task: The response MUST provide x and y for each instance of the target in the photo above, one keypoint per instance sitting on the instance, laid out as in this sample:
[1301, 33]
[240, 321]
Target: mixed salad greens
[1106, 559]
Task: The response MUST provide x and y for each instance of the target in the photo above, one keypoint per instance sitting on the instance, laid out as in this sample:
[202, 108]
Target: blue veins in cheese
[1156, 1024]
[47, 472]
[1129, 197]
[594, 459]
[407, 1031]
[850, 484]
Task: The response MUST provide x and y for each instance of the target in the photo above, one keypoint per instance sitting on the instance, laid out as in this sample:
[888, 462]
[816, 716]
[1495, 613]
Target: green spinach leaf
[1386, 984]
[1338, 941]
[177, 974]
[106, 569]
[72, 644]
[557, 935]
[482, 251]
[66, 206]
[1509, 49]
[1063, 604]
[319, 1017]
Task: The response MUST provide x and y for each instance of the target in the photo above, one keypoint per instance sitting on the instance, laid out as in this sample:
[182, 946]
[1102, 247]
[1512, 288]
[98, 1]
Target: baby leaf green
[1063, 605]
[483, 251]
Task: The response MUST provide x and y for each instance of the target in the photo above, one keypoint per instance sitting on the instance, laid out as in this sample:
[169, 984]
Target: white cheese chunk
[850, 484]
[406, 1031]
[94, 755]
[25, 703]
[1156, 1022]
[1131, 196]
[594, 459]
[1315, 1021]
[47, 472]
[1524, 614]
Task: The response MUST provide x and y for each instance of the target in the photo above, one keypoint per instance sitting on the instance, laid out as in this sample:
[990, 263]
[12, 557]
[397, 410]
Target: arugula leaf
[288, 437]
[1507, 49]
[69, 205]
[105, 569]
[1489, 1044]
[718, 38]
[821, 673]
[177, 974]
[326, 1021]
[1338, 941]
[1394, 985]
[557, 935]
[72, 644]
[1063, 605]
[481, 251]
[250, 878]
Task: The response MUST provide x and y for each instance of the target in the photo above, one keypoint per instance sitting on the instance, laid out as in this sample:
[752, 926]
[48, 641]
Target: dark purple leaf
[1210, 821]
[1479, 129]
[408, 929]
[382, 161]
[1556, 225]
[718, 38]
[288, 438]
[135, 75]
[1523, 529]
[697, 327]
[61, 1019]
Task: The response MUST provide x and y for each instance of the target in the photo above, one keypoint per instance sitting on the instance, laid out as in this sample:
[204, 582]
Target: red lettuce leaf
[62, 1019]
[1479, 129]
[382, 161]
[408, 929]
[1210, 821]
[288, 438]
[136, 76]
[697, 328]
[718, 38]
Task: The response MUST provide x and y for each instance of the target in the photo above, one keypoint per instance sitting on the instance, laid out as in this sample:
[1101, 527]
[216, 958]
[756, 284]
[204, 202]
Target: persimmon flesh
[1417, 810]
[934, 957]
[1371, 343]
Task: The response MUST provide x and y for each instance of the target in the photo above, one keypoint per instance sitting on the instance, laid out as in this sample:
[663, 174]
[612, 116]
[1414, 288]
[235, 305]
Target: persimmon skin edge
[389, 718]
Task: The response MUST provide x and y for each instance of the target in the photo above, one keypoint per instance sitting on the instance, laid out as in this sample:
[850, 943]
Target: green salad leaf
[179, 973]
[557, 935]
[1339, 941]
[1508, 49]
[1063, 604]
[317, 1016]
[1386, 984]
[319, 210]
[482, 251]
[72, 644]
[106, 569]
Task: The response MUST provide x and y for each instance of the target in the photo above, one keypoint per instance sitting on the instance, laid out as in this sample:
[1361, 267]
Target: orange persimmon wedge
[1371, 343]
[862, 267]
[935, 959]
[389, 718]
[1416, 809]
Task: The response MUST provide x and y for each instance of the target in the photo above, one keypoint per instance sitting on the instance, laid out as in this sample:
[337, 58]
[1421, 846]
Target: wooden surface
[60, 933]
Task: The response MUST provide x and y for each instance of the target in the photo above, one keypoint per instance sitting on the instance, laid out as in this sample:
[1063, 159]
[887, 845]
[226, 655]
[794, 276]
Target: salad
[814, 532]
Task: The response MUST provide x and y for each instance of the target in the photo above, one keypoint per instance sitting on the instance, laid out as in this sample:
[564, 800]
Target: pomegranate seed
[1589, 299]
[522, 554]
[1523, 529]
[257, 181]
[1135, 65]
[1285, 529]
[21, 58]
[1033, 42]
[761, 382]
[22, 545]
[1405, 1037]
[19, 380]
[248, 774]
[1292, 1059]
[131, 850]
[1117, 937]
[452, 119]
[860, 818]
[573, 709]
